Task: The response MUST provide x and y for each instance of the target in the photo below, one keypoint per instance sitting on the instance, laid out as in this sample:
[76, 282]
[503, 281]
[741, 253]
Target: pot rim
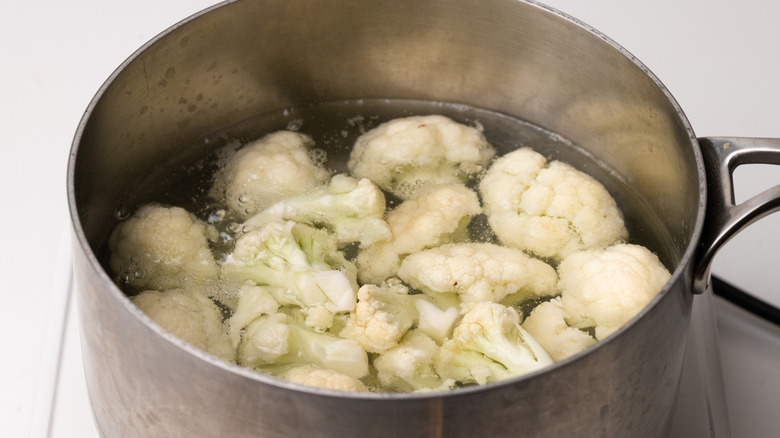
[680, 273]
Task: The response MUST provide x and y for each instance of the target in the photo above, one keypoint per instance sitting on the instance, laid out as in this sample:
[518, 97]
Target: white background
[718, 58]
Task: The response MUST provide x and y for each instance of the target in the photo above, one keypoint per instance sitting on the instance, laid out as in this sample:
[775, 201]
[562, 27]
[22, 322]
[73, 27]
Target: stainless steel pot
[243, 58]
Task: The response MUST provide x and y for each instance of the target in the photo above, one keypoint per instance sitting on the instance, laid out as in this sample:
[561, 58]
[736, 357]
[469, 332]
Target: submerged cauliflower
[353, 210]
[313, 375]
[384, 314]
[297, 265]
[489, 345]
[405, 155]
[437, 307]
[437, 215]
[265, 171]
[410, 365]
[479, 272]
[547, 324]
[605, 288]
[190, 316]
[161, 248]
[550, 210]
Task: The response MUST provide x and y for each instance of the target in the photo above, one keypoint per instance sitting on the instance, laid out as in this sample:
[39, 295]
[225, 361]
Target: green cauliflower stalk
[468, 366]
[306, 346]
[493, 331]
[353, 210]
[297, 264]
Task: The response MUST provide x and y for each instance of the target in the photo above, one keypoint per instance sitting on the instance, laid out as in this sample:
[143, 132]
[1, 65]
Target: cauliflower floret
[467, 366]
[490, 332]
[190, 316]
[318, 317]
[551, 210]
[161, 248]
[479, 272]
[297, 264]
[253, 302]
[605, 288]
[313, 375]
[405, 155]
[547, 325]
[267, 170]
[382, 316]
[264, 340]
[325, 350]
[435, 320]
[437, 215]
[275, 343]
[353, 210]
[409, 366]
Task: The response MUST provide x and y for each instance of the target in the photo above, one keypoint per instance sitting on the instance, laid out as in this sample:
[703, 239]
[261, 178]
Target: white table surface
[718, 58]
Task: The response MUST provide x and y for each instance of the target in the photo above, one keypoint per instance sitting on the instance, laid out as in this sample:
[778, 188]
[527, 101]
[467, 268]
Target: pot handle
[724, 218]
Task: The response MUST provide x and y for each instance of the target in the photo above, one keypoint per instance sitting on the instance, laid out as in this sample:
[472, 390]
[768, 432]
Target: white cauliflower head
[437, 215]
[267, 170]
[410, 365]
[550, 210]
[489, 344]
[190, 316]
[297, 264]
[479, 272]
[494, 330]
[161, 248]
[312, 375]
[547, 324]
[605, 288]
[253, 302]
[405, 155]
[382, 316]
[264, 340]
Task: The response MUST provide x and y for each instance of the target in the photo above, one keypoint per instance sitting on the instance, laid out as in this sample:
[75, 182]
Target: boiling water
[335, 126]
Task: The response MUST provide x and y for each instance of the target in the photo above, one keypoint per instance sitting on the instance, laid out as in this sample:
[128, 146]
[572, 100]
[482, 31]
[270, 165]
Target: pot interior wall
[248, 58]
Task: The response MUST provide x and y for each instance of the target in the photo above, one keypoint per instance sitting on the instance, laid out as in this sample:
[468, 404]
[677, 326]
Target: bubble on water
[234, 227]
[355, 121]
[407, 190]
[122, 213]
[129, 274]
[295, 125]
[216, 216]
[318, 156]
[225, 237]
